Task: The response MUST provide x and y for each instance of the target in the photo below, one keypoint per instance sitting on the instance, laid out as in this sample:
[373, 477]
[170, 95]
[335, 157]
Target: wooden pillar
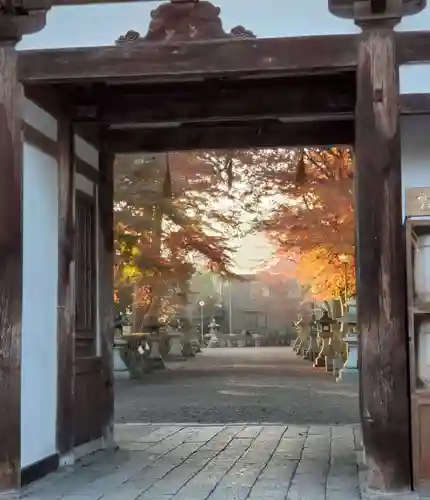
[381, 263]
[106, 287]
[66, 286]
[10, 268]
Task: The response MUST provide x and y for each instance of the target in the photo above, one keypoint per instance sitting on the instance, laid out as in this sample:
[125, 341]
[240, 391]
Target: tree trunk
[153, 313]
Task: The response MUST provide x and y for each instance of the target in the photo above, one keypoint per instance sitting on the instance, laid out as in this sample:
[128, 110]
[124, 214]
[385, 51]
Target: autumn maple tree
[179, 211]
[315, 222]
[167, 222]
[303, 200]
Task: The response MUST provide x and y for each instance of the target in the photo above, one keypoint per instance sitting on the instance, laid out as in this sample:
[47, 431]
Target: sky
[102, 24]
[254, 250]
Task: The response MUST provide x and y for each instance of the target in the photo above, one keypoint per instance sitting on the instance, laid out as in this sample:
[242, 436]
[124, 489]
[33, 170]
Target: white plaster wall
[86, 152]
[39, 119]
[84, 185]
[39, 323]
[415, 153]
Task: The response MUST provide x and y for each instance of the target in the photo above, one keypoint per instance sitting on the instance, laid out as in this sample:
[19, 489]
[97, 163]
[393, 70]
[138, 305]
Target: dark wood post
[66, 286]
[106, 286]
[381, 263]
[13, 24]
[10, 268]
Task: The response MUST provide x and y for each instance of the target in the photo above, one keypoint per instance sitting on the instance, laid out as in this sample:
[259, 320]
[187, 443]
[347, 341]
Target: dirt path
[267, 385]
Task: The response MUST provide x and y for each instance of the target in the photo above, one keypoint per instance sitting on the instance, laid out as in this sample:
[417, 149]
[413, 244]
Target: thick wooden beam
[66, 286]
[381, 265]
[106, 287]
[415, 104]
[291, 98]
[238, 135]
[10, 269]
[188, 61]
[413, 47]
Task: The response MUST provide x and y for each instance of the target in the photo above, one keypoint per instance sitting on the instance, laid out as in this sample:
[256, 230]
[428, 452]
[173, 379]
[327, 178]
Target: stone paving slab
[214, 462]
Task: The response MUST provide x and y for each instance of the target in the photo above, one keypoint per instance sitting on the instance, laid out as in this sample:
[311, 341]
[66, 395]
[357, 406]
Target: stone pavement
[214, 462]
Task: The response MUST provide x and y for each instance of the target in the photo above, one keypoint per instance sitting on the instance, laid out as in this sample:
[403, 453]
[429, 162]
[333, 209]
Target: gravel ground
[266, 385]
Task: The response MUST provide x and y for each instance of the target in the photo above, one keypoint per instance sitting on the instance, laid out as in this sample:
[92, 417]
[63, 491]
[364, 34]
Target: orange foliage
[326, 274]
[317, 220]
[164, 222]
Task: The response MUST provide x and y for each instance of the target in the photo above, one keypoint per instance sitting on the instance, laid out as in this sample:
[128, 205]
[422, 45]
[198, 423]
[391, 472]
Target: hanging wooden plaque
[418, 202]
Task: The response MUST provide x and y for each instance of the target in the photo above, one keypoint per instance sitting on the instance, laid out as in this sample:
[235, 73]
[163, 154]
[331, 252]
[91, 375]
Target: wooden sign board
[418, 202]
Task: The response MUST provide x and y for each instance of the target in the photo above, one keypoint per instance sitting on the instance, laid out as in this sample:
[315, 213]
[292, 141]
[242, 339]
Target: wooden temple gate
[214, 90]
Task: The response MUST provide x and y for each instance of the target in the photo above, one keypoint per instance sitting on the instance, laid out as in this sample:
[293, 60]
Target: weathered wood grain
[295, 99]
[10, 269]
[232, 135]
[195, 60]
[66, 286]
[415, 104]
[188, 61]
[106, 287]
[381, 265]
[413, 47]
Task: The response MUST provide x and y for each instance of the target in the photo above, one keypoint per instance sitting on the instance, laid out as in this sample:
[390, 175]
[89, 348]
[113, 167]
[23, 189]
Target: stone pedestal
[187, 348]
[304, 341]
[349, 372]
[312, 351]
[195, 344]
[324, 353]
[335, 349]
[214, 342]
[118, 363]
[155, 356]
[296, 343]
[329, 358]
[176, 351]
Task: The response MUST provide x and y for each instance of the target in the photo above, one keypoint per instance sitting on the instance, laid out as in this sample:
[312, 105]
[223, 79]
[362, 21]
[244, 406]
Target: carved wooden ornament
[185, 21]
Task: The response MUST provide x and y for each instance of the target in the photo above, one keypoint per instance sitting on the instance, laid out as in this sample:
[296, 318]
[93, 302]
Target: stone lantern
[311, 351]
[298, 327]
[301, 343]
[176, 339]
[337, 345]
[363, 10]
[324, 333]
[349, 372]
[156, 337]
[214, 340]
[213, 328]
